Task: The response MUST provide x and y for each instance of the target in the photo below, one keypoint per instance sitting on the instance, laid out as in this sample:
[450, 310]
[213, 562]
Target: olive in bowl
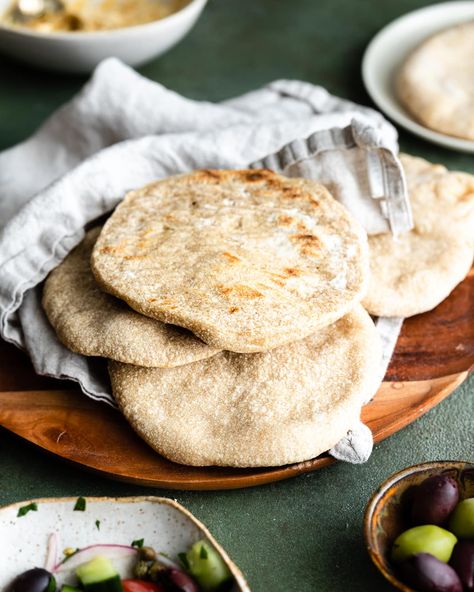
[408, 531]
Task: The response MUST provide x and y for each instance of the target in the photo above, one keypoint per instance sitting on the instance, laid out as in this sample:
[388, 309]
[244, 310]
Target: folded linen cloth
[122, 131]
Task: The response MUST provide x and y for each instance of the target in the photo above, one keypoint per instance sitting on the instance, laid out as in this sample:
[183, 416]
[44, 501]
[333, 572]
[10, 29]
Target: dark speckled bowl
[386, 513]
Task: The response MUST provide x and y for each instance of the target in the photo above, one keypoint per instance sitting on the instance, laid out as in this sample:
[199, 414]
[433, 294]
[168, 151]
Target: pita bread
[414, 272]
[247, 260]
[249, 410]
[92, 323]
[436, 83]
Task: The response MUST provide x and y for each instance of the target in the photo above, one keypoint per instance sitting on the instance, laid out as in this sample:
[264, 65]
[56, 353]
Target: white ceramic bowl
[391, 46]
[82, 51]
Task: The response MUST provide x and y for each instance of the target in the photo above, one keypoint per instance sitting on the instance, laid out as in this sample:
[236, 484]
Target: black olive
[434, 500]
[33, 580]
[462, 560]
[425, 573]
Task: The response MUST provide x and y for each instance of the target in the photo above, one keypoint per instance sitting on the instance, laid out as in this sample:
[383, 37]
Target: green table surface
[304, 534]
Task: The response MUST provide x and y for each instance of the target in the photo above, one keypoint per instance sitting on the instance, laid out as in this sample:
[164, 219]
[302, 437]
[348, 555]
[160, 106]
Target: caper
[147, 553]
[156, 569]
[68, 551]
[141, 569]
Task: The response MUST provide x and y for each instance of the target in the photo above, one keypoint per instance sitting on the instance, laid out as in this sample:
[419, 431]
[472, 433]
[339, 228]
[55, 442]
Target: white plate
[389, 48]
[163, 523]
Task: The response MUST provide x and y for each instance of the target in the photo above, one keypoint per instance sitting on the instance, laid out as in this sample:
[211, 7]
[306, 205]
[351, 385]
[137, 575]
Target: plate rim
[400, 115]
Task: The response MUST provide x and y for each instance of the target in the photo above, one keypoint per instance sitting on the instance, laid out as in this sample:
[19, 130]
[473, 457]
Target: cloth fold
[122, 131]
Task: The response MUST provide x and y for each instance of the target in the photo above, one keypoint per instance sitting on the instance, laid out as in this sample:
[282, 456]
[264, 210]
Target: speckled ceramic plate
[389, 49]
[162, 523]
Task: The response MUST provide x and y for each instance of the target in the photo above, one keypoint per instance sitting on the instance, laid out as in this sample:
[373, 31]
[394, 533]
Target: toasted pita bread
[246, 260]
[414, 272]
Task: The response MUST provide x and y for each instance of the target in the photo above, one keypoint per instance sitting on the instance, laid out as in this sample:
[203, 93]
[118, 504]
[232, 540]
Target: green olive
[207, 567]
[462, 519]
[424, 539]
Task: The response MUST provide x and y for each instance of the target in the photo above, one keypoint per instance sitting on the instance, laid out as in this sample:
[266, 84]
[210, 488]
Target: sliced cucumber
[99, 575]
[207, 566]
[67, 588]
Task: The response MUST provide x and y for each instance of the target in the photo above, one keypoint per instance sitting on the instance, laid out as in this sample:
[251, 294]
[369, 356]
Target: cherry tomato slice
[141, 586]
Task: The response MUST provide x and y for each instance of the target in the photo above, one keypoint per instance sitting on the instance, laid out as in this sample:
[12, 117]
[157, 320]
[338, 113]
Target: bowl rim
[375, 498]
[181, 14]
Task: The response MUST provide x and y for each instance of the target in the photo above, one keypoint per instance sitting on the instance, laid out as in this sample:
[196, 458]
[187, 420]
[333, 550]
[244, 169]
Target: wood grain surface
[434, 354]
[439, 342]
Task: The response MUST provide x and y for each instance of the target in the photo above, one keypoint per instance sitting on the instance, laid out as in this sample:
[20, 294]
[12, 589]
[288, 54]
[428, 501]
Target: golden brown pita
[247, 260]
[414, 272]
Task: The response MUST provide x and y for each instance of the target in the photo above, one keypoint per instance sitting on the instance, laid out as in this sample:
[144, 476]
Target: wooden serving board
[434, 354]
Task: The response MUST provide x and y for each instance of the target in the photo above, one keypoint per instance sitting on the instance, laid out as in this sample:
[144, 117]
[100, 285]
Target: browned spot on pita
[151, 299]
[292, 271]
[285, 220]
[309, 243]
[209, 175]
[134, 256]
[278, 282]
[277, 275]
[302, 227]
[466, 195]
[258, 175]
[230, 257]
[233, 309]
[111, 249]
[291, 191]
[239, 290]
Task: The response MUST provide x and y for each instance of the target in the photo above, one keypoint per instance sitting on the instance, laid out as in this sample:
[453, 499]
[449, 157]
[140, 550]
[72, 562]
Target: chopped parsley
[51, 585]
[138, 543]
[97, 524]
[33, 507]
[80, 504]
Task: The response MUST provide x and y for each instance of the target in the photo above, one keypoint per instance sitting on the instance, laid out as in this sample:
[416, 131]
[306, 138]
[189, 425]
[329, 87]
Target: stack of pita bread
[228, 304]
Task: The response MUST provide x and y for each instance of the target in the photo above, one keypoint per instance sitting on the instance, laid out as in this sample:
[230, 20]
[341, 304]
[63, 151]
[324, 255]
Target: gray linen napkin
[122, 131]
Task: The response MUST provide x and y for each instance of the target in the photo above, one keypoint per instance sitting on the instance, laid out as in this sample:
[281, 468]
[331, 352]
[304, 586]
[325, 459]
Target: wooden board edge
[428, 394]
